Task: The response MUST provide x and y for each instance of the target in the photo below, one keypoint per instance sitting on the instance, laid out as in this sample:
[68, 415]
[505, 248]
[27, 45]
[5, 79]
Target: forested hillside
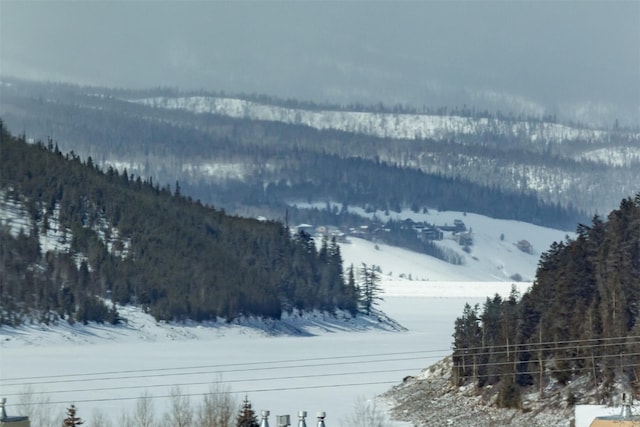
[260, 167]
[118, 235]
[580, 318]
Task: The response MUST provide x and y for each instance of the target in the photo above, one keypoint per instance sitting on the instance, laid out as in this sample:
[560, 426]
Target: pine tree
[352, 291]
[247, 416]
[72, 420]
[467, 333]
[370, 288]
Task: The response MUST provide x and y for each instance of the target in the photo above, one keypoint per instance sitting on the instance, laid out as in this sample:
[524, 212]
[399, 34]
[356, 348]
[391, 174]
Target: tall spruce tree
[370, 289]
[247, 416]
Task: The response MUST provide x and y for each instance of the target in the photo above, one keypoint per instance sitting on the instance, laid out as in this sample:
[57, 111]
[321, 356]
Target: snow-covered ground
[392, 125]
[306, 362]
[107, 368]
[493, 257]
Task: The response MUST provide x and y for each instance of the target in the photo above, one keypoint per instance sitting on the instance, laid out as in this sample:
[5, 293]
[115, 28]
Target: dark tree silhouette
[72, 420]
[246, 416]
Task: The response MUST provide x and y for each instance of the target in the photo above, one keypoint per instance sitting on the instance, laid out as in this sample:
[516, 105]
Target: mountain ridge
[383, 124]
[580, 170]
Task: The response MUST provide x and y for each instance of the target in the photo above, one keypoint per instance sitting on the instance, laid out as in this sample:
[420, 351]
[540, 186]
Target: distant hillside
[256, 165]
[387, 122]
[561, 163]
[71, 233]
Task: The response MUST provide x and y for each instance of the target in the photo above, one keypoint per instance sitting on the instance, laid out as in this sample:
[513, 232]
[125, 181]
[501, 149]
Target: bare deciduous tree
[37, 406]
[125, 420]
[143, 415]
[366, 414]
[180, 413]
[217, 408]
[99, 419]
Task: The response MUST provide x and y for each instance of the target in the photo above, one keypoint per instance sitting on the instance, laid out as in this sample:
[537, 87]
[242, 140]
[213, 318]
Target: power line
[115, 399]
[111, 378]
[555, 359]
[513, 348]
[594, 343]
[243, 367]
[499, 349]
[546, 344]
[275, 389]
[224, 365]
[500, 374]
[292, 377]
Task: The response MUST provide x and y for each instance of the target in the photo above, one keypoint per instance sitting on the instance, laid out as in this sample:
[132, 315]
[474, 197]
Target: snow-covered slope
[613, 156]
[388, 125]
[54, 237]
[307, 361]
[494, 255]
[489, 268]
[486, 270]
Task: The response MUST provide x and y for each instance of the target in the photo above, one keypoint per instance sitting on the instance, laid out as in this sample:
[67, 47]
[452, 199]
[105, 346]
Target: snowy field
[308, 363]
[284, 374]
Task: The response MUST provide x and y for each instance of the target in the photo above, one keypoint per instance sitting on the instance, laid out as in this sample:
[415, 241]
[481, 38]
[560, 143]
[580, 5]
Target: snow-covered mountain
[384, 125]
[253, 140]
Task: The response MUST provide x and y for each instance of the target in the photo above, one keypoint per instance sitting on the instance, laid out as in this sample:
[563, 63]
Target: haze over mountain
[579, 60]
[277, 114]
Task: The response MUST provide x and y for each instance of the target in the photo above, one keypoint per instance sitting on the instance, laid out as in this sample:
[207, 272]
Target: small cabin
[464, 239]
[457, 227]
[525, 246]
[432, 233]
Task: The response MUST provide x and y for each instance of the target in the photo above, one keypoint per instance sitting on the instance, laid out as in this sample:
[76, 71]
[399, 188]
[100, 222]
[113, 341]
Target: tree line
[134, 241]
[580, 318]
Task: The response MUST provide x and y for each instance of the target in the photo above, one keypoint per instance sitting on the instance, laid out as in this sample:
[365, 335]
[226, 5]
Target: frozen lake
[327, 372]
[107, 369]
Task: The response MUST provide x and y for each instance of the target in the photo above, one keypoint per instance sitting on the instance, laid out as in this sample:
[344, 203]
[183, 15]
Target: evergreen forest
[254, 166]
[580, 318]
[122, 237]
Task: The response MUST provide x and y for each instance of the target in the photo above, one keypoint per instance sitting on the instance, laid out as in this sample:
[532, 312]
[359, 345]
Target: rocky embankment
[429, 399]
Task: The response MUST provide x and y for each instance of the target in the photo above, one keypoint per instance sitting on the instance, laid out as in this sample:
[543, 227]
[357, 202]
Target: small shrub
[516, 277]
[510, 396]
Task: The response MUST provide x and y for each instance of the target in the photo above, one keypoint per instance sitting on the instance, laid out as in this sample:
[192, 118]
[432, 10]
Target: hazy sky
[576, 58]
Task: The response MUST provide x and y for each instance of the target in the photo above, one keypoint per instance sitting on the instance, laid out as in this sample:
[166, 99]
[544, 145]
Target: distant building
[432, 233]
[457, 227]
[464, 239]
[307, 228]
[13, 421]
[525, 246]
[331, 232]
